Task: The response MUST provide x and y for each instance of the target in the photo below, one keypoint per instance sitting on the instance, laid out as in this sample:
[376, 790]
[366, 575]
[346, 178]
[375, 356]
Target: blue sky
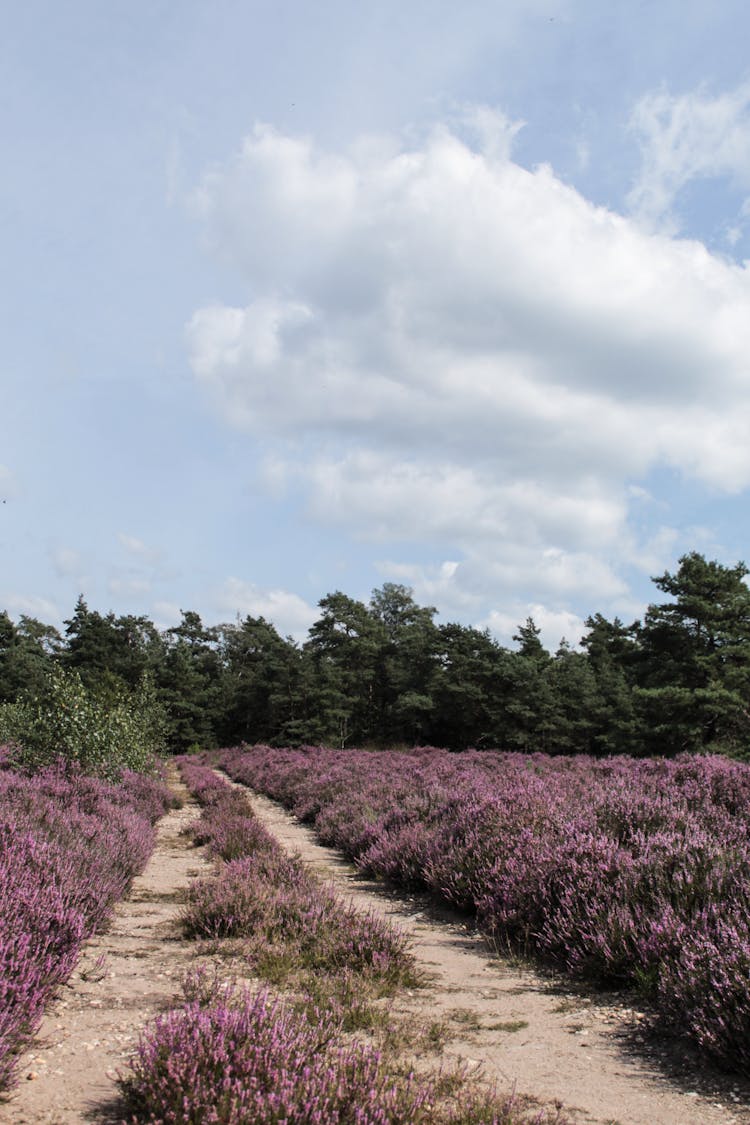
[300, 297]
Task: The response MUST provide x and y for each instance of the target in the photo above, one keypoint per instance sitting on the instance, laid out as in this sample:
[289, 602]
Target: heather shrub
[217, 1061]
[226, 823]
[243, 1057]
[289, 920]
[147, 795]
[229, 829]
[69, 848]
[703, 987]
[625, 872]
[229, 834]
[200, 779]
[270, 900]
[246, 1058]
[40, 936]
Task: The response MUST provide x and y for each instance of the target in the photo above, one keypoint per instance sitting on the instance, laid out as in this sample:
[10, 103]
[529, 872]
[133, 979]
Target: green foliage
[694, 670]
[188, 681]
[384, 673]
[345, 645]
[110, 653]
[258, 683]
[65, 720]
[27, 652]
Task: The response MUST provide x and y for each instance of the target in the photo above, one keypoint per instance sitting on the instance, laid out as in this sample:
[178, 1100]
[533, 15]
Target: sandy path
[571, 1048]
[89, 1031]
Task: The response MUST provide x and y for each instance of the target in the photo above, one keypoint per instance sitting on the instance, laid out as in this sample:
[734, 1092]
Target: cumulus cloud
[553, 626]
[689, 137]
[290, 614]
[465, 589]
[382, 498]
[445, 347]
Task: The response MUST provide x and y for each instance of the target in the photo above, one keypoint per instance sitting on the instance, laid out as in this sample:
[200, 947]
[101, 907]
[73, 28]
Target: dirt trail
[567, 1045]
[68, 1076]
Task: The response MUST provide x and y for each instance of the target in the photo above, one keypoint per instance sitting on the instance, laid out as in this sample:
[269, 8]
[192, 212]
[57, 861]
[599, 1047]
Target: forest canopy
[383, 673]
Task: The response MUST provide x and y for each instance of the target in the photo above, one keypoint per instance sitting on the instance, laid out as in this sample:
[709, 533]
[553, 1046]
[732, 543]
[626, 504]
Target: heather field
[275, 987]
[234, 1054]
[70, 846]
[622, 872]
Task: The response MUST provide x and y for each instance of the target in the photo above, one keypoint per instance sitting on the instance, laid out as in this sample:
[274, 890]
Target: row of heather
[229, 1055]
[234, 1055]
[70, 846]
[625, 872]
[275, 902]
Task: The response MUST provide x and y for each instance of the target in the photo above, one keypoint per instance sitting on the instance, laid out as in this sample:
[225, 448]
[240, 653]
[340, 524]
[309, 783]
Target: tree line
[384, 673]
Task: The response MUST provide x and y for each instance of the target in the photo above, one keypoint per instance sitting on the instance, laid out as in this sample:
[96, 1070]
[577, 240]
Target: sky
[298, 298]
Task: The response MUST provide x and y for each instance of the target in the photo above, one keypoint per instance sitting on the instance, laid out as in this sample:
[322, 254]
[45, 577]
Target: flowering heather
[622, 871]
[226, 824]
[247, 1059]
[69, 848]
[244, 1057]
[200, 779]
[270, 898]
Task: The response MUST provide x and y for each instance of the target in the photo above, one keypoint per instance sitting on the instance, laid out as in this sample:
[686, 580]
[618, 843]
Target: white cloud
[553, 626]
[443, 346]
[449, 291]
[138, 548]
[166, 614]
[688, 137]
[383, 498]
[290, 614]
[463, 590]
[33, 606]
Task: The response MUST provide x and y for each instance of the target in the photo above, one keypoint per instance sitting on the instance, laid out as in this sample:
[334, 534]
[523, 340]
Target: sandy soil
[125, 977]
[592, 1054]
[517, 1026]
